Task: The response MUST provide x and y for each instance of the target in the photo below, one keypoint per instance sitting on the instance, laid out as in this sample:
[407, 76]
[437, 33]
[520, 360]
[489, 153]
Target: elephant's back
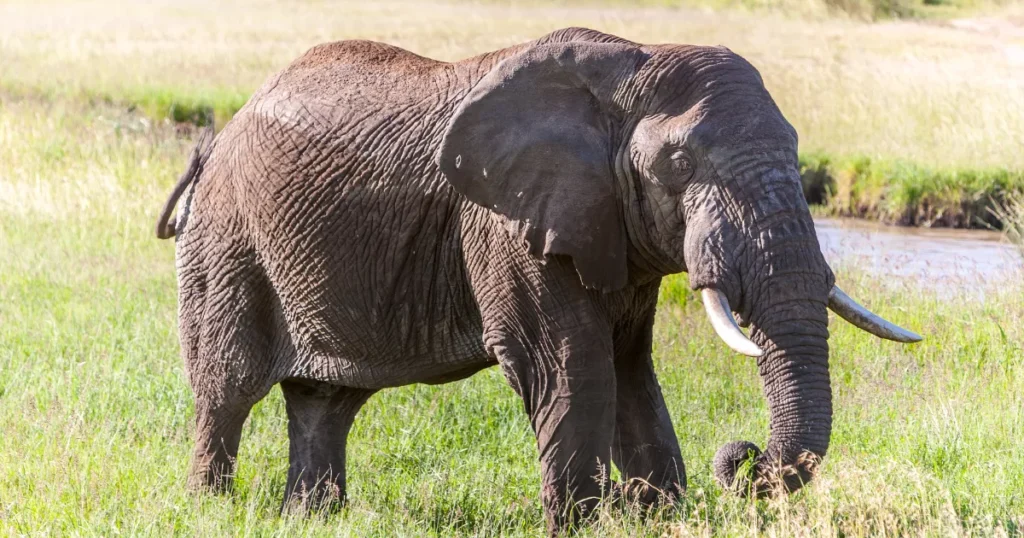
[340, 110]
[323, 138]
[356, 72]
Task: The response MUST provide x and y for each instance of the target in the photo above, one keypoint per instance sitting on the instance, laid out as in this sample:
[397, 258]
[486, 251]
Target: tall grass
[1010, 212]
[96, 415]
[859, 9]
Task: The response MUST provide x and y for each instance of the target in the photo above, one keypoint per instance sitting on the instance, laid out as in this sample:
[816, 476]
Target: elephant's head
[641, 161]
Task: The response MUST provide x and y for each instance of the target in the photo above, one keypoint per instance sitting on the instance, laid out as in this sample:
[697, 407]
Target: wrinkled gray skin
[372, 218]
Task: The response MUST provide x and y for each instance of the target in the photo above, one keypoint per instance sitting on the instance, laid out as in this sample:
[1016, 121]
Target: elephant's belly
[378, 370]
[375, 349]
[373, 289]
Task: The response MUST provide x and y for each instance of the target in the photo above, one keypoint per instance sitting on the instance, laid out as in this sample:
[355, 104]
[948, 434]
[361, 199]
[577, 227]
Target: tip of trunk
[741, 467]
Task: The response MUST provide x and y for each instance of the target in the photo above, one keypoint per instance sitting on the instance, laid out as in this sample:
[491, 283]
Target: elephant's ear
[532, 142]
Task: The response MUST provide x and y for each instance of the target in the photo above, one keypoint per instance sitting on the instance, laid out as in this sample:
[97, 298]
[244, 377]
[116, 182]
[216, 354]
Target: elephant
[372, 218]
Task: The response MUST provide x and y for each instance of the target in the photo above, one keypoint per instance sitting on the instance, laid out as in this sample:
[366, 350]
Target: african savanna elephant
[372, 218]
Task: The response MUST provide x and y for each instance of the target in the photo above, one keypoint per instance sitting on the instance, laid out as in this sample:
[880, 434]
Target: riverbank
[906, 193]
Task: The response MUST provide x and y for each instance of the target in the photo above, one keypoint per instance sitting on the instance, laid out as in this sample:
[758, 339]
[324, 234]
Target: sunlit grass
[924, 93]
[95, 412]
[937, 112]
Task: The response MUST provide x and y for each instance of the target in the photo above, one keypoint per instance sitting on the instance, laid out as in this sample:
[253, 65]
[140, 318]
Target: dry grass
[927, 93]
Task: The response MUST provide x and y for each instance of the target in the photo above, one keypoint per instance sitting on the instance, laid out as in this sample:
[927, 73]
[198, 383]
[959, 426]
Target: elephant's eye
[672, 169]
[681, 165]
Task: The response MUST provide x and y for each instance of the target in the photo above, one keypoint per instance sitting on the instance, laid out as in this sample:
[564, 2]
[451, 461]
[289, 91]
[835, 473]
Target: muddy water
[963, 259]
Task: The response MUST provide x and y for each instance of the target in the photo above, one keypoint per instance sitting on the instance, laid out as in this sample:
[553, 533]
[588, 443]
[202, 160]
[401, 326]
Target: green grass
[908, 194]
[96, 415]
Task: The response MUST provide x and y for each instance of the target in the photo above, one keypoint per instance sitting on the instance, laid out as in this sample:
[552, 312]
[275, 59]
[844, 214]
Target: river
[969, 260]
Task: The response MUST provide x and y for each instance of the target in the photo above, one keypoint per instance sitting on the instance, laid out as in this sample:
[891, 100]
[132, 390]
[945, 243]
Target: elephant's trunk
[790, 324]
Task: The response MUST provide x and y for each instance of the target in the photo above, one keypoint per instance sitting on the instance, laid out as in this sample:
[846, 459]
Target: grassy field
[931, 94]
[931, 100]
[857, 9]
[95, 413]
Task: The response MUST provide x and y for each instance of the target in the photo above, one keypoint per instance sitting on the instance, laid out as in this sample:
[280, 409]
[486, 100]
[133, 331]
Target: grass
[858, 9]
[908, 194]
[96, 415]
[95, 412]
[923, 104]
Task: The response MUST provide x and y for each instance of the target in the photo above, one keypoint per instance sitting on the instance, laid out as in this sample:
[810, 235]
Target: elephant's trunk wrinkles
[790, 324]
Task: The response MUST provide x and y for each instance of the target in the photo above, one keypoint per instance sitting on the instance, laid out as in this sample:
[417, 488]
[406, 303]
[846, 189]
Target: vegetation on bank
[193, 106]
[909, 194]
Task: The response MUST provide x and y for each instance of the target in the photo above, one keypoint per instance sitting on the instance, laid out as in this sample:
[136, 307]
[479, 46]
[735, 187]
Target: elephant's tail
[165, 223]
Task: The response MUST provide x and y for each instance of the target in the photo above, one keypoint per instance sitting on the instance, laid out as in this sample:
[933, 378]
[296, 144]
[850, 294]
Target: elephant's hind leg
[226, 321]
[319, 418]
[218, 433]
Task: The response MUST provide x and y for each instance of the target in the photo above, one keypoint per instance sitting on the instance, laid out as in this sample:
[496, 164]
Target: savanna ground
[95, 413]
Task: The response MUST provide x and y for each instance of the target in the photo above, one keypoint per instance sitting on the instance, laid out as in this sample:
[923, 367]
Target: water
[967, 259]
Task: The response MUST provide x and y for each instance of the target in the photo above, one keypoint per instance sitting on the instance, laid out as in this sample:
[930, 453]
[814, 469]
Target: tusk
[720, 314]
[851, 311]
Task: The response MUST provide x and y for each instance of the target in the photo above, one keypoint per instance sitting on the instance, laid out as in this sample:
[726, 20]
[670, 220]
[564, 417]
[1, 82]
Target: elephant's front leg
[568, 389]
[555, 347]
[645, 448]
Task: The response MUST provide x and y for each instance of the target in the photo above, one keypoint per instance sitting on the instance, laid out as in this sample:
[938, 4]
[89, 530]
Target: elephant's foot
[567, 514]
[314, 492]
[210, 477]
[218, 432]
[642, 493]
